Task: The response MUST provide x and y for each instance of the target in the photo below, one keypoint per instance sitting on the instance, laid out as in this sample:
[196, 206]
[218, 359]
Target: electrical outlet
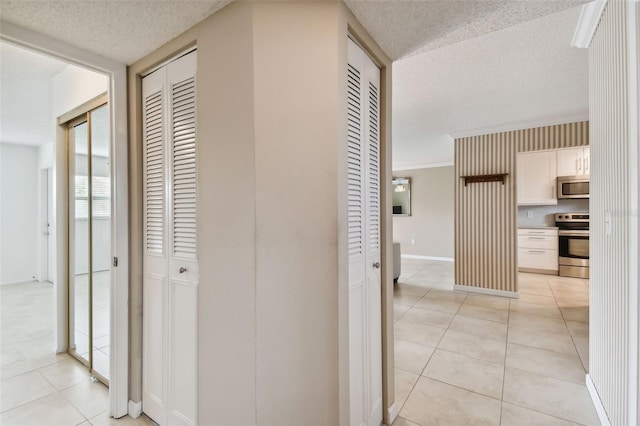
[529, 213]
[413, 241]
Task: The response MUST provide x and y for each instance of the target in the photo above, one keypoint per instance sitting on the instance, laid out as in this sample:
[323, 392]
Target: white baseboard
[393, 412]
[135, 409]
[597, 403]
[489, 291]
[19, 282]
[417, 256]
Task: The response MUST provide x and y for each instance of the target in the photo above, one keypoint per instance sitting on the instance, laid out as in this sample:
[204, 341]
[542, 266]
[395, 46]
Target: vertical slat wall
[486, 213]
[554, 137]
[609, 337]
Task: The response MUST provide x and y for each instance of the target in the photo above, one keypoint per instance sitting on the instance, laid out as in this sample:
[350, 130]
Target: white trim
[393, 412]
[135, 409]
[597, 403]
[489, 291]
[417, 256]
[24, 282]
[119, 312]
[588, 23]
[521, 125]
[422, 166]
[633, 158]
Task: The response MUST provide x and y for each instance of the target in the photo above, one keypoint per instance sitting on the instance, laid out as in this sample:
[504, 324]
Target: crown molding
[588, 23]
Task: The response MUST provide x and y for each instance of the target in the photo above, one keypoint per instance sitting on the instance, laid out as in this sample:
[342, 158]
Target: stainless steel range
[573, 244]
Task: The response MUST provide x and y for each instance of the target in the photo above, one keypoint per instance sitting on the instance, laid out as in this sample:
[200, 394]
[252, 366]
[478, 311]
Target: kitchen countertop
[537, 227]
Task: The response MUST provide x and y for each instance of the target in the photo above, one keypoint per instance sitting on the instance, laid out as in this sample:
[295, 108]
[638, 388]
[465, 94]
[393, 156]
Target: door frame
[351, 28]
[117, 95]
[44, 221]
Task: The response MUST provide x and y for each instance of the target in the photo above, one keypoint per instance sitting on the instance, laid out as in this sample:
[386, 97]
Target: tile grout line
[504, 370]
[567, 328]
[430, 356]
[510, 309]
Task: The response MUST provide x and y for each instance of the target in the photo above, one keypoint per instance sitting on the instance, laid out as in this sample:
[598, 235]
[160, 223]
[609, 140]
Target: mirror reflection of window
[401, 196]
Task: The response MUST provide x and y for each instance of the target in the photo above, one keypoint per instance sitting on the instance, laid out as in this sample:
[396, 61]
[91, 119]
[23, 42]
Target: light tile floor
[463, 358]
[37, 386]
[460, 358]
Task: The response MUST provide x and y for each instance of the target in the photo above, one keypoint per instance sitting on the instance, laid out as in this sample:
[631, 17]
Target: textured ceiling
[403, 27]
[464, 64]
[519, 75]
[126, 30]
[122, 30]
[26, 96]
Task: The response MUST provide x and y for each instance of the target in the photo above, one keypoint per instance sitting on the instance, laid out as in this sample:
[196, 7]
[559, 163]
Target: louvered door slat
[154, 173]
[354, 163]
[374, 169]
[184, 168]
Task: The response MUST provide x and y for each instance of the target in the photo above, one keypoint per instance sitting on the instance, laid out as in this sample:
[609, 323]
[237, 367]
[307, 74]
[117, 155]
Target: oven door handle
[573, 233]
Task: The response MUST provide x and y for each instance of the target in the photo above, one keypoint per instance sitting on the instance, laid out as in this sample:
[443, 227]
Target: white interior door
[170, 269]
[365, 321]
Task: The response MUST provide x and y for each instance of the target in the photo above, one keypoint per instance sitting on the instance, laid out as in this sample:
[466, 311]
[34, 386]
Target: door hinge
[115, 261]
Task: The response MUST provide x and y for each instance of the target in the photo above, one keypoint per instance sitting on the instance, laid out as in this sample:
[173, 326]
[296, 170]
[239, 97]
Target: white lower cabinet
[538, 250]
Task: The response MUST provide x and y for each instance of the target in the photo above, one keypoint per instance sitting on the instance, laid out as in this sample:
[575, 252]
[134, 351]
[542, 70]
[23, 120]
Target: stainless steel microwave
[573, 187]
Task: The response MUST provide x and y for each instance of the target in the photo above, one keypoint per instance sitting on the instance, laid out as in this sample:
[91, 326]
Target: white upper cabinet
[536, 178]
[573, 161]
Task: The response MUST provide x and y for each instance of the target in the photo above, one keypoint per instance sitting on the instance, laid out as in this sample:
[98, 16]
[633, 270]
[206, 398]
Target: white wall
[75, 86]
[46, 157]
[19, 224]
[431, 220]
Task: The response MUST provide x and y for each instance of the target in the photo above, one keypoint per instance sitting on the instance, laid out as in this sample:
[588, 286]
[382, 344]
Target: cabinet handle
[182, 270]
[537, 251]
[586, 165]
[536, 238]
[553, 191]
[578, 165]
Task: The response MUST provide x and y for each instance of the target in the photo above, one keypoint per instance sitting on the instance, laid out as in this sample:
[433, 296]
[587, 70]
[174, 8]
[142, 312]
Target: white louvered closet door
[170, 268]
[363, 162]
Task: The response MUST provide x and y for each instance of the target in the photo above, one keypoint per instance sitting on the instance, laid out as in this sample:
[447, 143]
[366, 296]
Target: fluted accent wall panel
[486, 213]
[554, 137]
[612, 344]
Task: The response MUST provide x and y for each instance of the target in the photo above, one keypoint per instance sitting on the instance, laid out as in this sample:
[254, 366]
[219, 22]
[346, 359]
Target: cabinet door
[538, 259]
[536, 178]
[573, 162]
[570, 162]
[586, 164]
